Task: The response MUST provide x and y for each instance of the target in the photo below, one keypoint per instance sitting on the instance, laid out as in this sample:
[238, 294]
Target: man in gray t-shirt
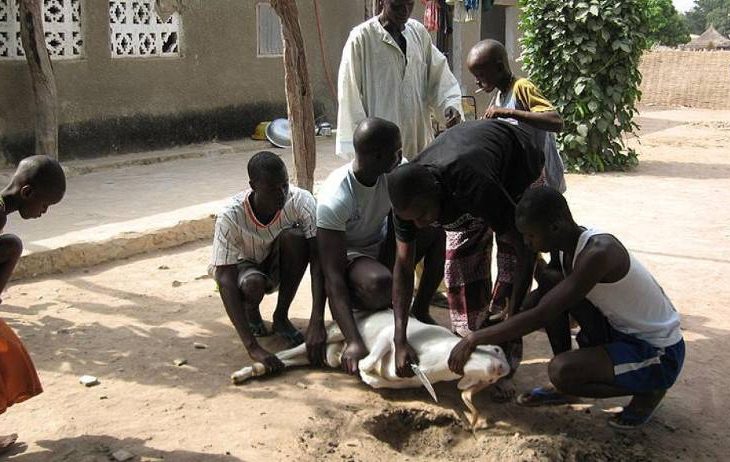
[356, 248]
[358, 210]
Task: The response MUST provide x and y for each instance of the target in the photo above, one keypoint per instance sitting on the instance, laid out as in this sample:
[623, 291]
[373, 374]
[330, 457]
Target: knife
[424, 380]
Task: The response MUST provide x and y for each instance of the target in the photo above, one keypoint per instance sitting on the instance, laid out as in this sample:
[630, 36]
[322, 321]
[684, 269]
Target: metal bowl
[279, 133]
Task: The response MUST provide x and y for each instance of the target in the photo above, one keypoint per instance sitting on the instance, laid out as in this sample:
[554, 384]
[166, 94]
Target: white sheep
[433, 344]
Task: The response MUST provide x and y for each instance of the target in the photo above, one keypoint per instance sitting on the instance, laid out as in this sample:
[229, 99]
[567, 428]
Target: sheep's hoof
[473, 421]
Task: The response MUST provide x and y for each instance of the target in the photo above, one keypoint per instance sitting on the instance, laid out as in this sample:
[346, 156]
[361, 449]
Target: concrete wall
[699, 79]
[216, 88]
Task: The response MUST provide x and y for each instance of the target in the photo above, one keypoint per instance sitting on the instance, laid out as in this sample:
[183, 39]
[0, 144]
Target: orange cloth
[18, 377]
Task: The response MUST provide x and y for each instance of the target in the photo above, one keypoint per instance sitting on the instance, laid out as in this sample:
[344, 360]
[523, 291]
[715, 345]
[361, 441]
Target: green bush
[584, 55]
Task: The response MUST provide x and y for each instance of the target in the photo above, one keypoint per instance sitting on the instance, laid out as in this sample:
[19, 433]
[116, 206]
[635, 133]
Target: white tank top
[636, 304]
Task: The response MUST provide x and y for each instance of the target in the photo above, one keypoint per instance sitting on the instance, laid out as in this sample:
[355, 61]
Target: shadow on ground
[99, 448]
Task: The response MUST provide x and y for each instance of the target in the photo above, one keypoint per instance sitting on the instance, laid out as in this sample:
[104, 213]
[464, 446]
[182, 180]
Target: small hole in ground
[415, 431]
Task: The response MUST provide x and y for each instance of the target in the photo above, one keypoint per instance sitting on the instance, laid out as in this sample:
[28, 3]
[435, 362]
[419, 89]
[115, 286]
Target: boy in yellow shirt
[519, 101]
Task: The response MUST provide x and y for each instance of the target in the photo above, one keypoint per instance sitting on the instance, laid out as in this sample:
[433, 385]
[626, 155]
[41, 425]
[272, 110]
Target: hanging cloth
[431, 16]
[472, 10]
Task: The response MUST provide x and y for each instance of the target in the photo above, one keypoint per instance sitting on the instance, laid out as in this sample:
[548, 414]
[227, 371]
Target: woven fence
[699, 79]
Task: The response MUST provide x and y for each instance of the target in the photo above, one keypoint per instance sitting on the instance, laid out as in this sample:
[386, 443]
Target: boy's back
[525, 96]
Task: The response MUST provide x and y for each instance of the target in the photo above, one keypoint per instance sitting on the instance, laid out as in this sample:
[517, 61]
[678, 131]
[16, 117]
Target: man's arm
[227, 278]
[534, 108]
[444, 92]
[405, 262]
[316, 338]
[349, 98]
[333, 256]
[524, 269]
[549, 120]
[590, 269]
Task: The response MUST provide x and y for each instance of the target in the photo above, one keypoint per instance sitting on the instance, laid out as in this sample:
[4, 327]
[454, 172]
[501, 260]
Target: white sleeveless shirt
[636, 304]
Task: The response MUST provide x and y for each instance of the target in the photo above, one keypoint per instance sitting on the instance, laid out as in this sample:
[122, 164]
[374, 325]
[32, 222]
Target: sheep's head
[485, 366]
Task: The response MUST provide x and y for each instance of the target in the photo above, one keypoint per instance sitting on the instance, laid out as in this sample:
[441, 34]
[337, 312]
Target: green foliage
[709, 12]
[666, 26]
[584, 54]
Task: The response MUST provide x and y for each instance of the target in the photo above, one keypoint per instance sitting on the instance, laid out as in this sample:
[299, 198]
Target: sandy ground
[126, 323]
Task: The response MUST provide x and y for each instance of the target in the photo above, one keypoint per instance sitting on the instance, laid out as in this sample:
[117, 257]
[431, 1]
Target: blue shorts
[638, 366]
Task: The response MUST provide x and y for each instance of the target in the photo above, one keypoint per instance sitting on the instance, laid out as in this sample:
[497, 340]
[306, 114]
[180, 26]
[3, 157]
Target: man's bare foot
[639, 411]
[503, 391]
[7, 442]
[256, 323]
[286, 330]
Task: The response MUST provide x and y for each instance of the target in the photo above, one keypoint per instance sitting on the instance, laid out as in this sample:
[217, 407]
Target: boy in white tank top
[630, 340]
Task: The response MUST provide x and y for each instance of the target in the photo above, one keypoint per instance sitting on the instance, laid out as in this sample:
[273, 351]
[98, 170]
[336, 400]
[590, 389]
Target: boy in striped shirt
[264, 239]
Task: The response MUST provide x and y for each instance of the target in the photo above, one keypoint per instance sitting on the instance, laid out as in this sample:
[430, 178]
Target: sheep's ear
[467, 382]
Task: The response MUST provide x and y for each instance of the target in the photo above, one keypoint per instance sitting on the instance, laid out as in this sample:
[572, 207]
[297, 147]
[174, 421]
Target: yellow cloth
[531, 97]
[18, 377]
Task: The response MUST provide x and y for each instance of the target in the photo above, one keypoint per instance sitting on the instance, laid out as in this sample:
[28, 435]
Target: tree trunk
[298, 94]
[41, 75]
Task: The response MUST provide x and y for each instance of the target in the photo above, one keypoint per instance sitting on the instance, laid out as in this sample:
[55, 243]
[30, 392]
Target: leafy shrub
[584, 55]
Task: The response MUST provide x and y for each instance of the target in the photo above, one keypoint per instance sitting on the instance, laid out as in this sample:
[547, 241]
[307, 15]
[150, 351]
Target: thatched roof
[709, 39]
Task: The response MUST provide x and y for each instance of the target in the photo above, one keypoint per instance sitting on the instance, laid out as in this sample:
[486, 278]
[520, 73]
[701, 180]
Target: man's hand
[272, 363]
[316, 342]
[453, 117]
[461, 354]
[405, 355]
[494, 112]
[351, 356]
[547, 276]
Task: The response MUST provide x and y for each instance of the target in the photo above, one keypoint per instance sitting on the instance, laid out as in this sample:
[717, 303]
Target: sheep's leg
[382, 347]
[473, 418]
[292, 357]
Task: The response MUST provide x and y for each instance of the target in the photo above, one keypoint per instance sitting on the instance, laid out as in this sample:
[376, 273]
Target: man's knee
[253, 287]
[11, 247]
[562, 372]
[292, 240]
[380, 283]
[376, 290]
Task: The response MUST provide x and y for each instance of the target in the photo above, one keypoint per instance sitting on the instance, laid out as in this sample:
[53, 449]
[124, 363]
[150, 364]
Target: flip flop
[258, 329]
[292, 336]
[7, 442]
[630, 420]
[541, 396]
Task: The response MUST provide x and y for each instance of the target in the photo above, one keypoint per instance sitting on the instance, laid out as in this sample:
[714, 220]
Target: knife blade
[424, 380]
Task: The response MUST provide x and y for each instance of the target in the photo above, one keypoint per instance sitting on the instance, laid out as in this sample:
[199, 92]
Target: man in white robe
[391, 69]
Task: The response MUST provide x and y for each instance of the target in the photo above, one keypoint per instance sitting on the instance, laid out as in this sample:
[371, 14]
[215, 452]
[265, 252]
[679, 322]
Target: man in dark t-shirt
[468, 182]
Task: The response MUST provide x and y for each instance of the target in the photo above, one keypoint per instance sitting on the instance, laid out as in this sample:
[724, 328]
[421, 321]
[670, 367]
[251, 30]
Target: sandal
[542, 396]
[258, 329]
[7, 442]
[630, 420]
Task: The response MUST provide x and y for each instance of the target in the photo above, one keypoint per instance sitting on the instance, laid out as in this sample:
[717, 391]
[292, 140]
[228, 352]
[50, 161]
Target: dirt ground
[126, 324]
